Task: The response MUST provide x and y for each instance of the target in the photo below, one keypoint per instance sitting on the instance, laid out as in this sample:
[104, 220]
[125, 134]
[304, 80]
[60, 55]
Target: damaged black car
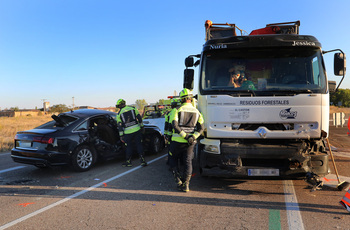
[78, 138]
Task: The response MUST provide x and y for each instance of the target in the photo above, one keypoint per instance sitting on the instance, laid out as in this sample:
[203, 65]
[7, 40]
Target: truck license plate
[263, 172]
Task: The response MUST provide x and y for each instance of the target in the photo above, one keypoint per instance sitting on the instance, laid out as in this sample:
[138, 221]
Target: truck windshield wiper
[243, 93]
[285, 91]
[294, 90]
[233, 92]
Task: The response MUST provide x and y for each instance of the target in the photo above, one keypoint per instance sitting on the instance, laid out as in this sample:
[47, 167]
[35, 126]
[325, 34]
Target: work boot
[127, 163]
[186, 184]
[143, 162]
[177, 178]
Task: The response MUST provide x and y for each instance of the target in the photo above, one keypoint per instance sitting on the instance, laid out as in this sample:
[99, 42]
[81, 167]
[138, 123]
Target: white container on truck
[265, 101]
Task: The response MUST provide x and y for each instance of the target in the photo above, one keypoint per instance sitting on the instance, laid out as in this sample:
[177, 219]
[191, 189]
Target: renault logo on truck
[262, 133]
[288, 114]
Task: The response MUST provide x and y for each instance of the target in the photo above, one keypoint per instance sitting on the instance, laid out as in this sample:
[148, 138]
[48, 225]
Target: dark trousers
[133, 140]
[184, 153]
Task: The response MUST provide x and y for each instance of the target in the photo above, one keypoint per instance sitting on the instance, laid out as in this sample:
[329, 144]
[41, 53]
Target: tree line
[340, 98]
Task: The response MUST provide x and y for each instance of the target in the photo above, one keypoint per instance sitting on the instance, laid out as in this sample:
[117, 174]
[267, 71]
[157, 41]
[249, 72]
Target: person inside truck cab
[237, 72]
[225, 78]
[235, 79]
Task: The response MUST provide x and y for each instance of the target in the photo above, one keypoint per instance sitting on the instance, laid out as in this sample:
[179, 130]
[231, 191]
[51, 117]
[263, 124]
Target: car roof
[89, 112]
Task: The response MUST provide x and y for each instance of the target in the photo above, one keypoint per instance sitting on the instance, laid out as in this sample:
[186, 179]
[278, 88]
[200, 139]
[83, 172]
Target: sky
[97, 51]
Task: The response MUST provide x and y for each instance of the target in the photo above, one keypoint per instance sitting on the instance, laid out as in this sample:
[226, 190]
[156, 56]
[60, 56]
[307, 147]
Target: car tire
[83, 158]
[156, 144]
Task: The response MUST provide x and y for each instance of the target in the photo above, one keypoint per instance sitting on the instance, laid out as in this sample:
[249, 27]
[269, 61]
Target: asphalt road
[113, 197]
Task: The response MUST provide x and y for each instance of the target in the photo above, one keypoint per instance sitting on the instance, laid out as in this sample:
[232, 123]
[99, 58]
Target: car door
[105, 135]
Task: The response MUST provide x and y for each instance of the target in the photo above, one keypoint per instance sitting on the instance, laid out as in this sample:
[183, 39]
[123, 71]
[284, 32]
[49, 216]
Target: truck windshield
[263, 71]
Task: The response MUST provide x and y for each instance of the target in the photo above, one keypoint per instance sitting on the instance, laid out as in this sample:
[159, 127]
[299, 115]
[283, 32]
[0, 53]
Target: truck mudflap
[229, 166]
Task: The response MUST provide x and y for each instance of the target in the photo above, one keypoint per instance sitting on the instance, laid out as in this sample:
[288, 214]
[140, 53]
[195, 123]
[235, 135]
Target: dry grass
[9, 126]
[335, 109]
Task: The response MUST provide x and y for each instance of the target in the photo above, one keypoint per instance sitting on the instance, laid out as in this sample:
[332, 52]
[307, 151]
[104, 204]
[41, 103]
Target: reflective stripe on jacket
[169, 119]
[129, 120]
[186, 120]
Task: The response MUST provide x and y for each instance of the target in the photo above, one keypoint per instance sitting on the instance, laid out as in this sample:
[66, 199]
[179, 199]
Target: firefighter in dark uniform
[130, 130]
[187, 123]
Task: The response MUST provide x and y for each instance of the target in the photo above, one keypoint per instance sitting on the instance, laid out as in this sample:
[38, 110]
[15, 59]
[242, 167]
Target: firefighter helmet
[120, 103]
[174, 102]
[186, 93]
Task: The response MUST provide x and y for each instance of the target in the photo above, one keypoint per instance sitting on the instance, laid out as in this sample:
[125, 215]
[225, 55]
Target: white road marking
[12, 223]
[11, 169]
[293, 213]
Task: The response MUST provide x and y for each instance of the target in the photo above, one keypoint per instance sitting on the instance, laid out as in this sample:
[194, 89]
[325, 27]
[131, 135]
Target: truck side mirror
[188, 78]
[332, 86]
[189, 61]
[339, 64]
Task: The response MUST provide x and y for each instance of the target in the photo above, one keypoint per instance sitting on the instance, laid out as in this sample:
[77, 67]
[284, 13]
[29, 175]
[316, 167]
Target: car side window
[82, 127]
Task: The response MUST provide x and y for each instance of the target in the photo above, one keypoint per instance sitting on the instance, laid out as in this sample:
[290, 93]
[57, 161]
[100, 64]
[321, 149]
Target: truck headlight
[211, 145]
[211, 148]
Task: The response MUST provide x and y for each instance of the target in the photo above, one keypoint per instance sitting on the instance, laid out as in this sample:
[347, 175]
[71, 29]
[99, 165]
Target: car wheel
[83, 158]
[156, 144]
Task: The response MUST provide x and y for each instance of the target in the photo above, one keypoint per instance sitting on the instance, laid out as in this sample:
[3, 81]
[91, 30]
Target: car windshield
[59, 122]
[156, 111]
[263, 71]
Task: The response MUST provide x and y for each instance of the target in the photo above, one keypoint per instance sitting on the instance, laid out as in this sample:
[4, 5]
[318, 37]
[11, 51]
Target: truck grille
[269, 126]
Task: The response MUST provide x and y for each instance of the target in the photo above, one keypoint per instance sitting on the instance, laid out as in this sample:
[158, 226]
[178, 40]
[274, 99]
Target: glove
[167, 138]
[191, 140]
